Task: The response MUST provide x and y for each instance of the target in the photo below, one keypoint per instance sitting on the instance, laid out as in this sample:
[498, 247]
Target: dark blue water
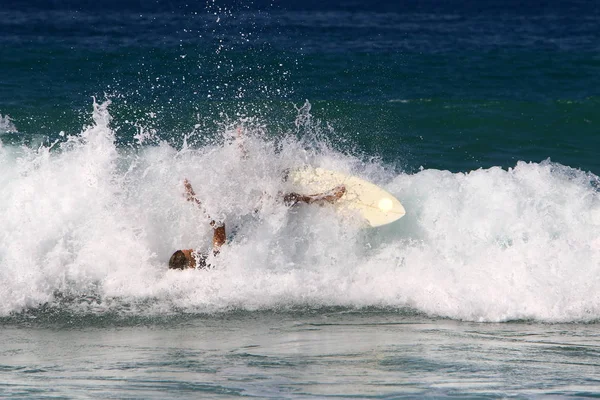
[456, 86]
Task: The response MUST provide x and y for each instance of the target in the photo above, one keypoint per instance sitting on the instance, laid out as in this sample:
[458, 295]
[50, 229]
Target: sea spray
[62, 230]
[499, 245]
[88, 227]
[6, 124]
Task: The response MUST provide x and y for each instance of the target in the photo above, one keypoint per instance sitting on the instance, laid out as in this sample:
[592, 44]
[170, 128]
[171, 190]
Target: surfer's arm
[219, 235]
[190, 195]
[330, 197]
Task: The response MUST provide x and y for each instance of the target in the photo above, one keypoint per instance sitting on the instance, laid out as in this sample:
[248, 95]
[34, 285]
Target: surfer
[189, 258]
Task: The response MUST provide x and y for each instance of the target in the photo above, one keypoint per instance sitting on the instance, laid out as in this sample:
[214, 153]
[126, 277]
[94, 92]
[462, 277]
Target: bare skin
[332, 196]
[289, 199]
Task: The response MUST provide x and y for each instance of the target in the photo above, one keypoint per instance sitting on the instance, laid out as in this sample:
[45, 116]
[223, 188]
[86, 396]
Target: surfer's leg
[332, 196]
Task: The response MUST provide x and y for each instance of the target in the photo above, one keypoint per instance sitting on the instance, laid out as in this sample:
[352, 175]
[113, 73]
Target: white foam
[86, 218]
[6, 124]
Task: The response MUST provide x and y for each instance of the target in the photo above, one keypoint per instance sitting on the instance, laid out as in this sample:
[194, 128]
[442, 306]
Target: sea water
[482, 118]
[300, 354]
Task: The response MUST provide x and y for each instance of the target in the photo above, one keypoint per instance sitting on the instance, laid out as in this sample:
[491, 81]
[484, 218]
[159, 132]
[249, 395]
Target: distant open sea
[482, 117]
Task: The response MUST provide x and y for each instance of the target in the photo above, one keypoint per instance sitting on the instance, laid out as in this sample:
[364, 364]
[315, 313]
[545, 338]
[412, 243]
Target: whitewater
[87, 226]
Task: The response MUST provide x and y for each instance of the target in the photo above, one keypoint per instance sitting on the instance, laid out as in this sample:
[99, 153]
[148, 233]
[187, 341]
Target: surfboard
[375, 205]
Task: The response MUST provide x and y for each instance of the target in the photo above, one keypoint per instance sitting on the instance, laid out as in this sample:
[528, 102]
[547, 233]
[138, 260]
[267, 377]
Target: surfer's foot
[337, 193]
[330, 197]
[291, 199]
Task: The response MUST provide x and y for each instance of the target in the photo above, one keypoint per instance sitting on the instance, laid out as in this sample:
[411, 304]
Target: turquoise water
[481, 117]
[370, 354]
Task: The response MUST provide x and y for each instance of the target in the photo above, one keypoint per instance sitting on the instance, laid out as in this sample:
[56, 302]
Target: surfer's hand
[190, 195]
[188, 188]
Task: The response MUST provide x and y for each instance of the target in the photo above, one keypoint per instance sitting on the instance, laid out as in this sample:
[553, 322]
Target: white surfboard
[371, 202]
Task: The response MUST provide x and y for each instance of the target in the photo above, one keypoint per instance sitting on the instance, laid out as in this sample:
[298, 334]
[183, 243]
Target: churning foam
[89, 222]
[6, 124]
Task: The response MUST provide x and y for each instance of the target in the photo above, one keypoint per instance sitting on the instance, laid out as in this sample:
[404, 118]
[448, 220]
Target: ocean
[481, 117]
